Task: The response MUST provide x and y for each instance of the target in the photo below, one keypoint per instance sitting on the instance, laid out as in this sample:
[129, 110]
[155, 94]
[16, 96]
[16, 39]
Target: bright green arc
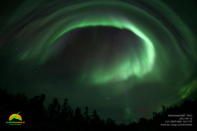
[137, 66]
[128, 67]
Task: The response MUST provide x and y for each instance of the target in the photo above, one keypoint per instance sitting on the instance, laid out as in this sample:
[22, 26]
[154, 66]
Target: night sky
[123, 58]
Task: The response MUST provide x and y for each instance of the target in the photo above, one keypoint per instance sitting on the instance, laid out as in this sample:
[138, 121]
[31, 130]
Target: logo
[15, 119]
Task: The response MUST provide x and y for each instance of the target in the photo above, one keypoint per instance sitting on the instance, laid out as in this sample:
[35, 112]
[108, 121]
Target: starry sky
[124, 58]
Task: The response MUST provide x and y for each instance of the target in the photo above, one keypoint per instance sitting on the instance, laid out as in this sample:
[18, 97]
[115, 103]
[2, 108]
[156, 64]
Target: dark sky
[104, 66]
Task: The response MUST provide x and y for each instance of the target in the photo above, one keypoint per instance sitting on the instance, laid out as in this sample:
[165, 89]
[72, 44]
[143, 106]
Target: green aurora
[165, 61]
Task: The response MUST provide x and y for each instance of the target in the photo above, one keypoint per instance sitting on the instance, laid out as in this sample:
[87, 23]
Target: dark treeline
[61, 117]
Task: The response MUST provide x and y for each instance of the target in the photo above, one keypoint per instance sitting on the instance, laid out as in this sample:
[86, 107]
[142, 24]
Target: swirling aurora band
[137, 67]
[123, 71]
[40, 34]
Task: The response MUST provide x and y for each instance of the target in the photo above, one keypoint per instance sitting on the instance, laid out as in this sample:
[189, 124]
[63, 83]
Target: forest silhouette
[62, 117]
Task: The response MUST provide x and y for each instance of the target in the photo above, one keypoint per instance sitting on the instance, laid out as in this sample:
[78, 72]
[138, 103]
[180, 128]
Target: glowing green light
[122, 16]
[137, 67]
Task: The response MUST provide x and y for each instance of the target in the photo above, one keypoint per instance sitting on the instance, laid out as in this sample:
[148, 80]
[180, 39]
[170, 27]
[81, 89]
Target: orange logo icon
[15, 119]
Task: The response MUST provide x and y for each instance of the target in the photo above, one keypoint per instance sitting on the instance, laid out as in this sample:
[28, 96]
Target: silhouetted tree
[54, 109]
[86, 116]
[57, 117]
